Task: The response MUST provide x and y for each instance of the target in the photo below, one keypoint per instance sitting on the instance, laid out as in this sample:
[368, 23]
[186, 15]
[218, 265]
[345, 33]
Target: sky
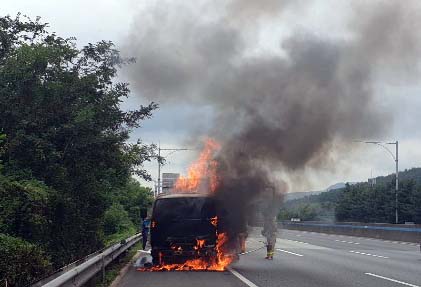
[172, 125]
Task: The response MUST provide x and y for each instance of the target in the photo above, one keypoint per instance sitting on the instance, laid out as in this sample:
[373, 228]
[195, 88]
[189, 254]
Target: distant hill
[298, 195]
[336, 186]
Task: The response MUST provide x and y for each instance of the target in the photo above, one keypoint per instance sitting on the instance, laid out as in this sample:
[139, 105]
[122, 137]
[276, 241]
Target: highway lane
[394, 249]
[305, 259]
[181, 279]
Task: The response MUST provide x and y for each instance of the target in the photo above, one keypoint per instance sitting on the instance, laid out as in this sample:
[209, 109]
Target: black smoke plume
[274, 111]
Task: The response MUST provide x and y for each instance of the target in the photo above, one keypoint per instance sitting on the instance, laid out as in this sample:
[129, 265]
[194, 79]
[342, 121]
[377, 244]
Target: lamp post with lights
[396, 159]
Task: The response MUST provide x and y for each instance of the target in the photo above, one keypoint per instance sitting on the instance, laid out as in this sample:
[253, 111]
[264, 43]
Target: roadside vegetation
[66, 169]
[362, 202]
[115, 268]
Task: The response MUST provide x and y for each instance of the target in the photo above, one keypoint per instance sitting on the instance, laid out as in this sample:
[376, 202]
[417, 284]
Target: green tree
[60, 111]
[133, 197]
[116, 220]
[24, 209]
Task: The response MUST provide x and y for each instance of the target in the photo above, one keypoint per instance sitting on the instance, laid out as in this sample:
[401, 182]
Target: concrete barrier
[407, 233]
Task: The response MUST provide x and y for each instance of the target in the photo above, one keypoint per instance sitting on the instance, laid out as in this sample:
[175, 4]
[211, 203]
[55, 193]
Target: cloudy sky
[175, 123]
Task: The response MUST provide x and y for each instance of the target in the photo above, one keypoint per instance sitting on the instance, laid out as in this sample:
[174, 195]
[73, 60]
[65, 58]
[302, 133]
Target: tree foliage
[365, 203]
[24, 209]
[116, 220]
[134, 198]
[63, 139]
[20, 261]
[362, 202]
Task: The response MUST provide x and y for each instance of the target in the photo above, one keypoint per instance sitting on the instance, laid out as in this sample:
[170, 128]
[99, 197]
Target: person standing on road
[145, 231]
[270, 226]
[269, 231]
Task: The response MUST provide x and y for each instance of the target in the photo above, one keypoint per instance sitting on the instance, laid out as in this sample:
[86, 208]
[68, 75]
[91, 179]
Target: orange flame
[214, 221]
[200, 243]
[203, 169]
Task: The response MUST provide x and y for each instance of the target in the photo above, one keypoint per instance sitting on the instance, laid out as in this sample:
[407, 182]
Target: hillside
[344, 203]
[298, 195]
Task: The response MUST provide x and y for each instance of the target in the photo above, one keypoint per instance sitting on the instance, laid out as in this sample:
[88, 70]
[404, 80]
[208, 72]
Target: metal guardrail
[388, 228]
[80, 274]
[398, 233]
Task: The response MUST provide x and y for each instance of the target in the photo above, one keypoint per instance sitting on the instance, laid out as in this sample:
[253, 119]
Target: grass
[117, 237]
[113, 269]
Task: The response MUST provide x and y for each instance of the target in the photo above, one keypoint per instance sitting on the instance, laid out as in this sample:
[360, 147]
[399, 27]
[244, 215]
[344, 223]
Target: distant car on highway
[183, 226]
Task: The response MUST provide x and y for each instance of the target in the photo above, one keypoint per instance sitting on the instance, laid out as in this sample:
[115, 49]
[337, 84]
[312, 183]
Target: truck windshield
[167, 209]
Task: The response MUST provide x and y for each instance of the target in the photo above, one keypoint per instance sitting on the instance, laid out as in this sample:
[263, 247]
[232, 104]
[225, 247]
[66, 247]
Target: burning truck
[190, 227]
[187, 233]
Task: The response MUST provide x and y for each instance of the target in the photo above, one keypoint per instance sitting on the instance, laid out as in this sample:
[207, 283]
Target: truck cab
[183, 227]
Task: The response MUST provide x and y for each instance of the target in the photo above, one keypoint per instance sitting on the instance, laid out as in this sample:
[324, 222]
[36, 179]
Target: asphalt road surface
[304, 259]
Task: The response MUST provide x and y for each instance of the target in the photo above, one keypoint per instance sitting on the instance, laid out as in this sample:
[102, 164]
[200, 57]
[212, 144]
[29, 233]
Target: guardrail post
[5, 281]
[103, 270]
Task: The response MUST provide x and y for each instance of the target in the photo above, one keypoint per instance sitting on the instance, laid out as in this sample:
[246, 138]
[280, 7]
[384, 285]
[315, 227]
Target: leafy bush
[305, 211]
[116, 220]
[133, 197]
[24, 209]
[21, 262]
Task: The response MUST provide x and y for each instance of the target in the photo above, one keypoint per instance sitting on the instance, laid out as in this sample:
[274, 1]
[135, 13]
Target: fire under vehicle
[183, 227]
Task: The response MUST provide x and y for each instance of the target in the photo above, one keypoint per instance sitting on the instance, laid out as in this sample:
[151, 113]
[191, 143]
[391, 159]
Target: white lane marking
[289, 252]
[296, 241]
[350, 242]
[391, 279]
[367, 238]
[368, 254]
[241, 277]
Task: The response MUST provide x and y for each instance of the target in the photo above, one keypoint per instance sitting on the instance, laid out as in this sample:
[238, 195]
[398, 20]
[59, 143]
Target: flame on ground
[205, 168]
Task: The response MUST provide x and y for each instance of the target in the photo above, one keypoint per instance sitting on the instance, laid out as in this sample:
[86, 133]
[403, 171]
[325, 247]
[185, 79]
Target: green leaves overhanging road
[64, 159]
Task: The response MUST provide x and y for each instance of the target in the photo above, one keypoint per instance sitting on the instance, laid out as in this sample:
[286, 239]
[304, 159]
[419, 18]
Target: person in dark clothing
[145, 231]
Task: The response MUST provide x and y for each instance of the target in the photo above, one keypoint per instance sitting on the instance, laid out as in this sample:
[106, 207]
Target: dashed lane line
[241, 277]
[350, 242]
[392, 280]
[296, 241]
[365, 238]
[289, 252]
[369, 254]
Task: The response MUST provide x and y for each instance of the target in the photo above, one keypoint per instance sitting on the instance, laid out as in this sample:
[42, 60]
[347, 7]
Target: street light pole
[397, 183]
[159, 170]
[396, 159]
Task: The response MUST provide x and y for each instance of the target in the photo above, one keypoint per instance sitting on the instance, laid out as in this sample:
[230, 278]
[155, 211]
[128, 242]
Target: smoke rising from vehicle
[272, 111]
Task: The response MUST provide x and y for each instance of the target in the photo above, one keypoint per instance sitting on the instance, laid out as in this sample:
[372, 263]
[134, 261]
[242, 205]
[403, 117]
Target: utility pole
[158, 189]
[159, 171]
[397, 183]
[396, 159]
